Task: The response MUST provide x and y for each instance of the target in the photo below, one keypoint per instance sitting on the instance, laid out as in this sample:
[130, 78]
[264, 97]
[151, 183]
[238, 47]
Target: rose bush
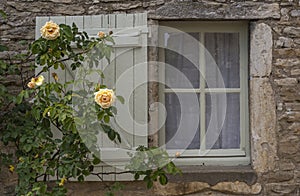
[26, 119]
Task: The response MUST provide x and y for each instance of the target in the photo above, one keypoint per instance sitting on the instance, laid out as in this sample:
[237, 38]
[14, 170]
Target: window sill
[215, 174]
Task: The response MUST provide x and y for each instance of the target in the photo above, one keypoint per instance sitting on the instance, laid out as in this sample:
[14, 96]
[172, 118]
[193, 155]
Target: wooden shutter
[129, 57]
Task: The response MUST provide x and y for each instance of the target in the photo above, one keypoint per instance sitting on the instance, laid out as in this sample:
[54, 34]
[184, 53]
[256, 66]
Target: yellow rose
[105, 97]
[11, 168]
[177, 154]
[55, 76]
[50, 31]
[101, 34]
[62, 181]
[21, 159]
[31, 84]
[38, 80]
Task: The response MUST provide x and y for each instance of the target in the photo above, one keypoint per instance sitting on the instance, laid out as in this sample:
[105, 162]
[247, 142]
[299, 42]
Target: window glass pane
[222, 133]
[182, 53]
[182, 122]
[222, 60]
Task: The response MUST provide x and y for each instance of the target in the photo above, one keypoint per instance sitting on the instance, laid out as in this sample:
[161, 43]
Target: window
[205, 91]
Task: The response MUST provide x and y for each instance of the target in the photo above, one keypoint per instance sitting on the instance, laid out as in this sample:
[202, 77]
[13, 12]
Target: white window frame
[225, 157]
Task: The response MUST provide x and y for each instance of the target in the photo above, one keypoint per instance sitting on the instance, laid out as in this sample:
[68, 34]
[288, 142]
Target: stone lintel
[211, 10]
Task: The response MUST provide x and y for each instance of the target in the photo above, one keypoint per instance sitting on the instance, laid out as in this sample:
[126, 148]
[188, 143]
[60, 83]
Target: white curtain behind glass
[224, 49]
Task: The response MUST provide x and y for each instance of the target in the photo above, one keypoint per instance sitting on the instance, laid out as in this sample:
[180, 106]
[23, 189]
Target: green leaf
[67, 31]
[163, 180]
[106, 118]
[149, 184]
[20, 98]
[100, 115]
[136, 176]
[80, 178]
[96, 161]
[111, 135]
[118, 137]
[27, 147]
[121, 99]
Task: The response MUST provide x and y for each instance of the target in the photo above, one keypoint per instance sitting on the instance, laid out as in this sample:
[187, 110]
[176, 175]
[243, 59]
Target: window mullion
[202, 92]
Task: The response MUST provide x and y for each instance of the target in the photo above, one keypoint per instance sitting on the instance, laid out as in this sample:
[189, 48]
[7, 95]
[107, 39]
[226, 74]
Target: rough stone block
[286, 81]
[284, 42]
[263, 125]
[282, 189]
[295, 13]
[292, 31]
[295, 72]
[260, 50]
[238, 188]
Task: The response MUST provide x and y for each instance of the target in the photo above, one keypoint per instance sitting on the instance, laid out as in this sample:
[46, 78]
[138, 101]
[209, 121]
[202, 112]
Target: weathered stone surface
[293, 106]
[289, 146]
[286, 81]
[61, 1]
[295, 128]
[200, 187]
[282, 189]
[286, 165]
[279, 176]
[289, 93]
[238, 188]
[295, 72]
[180, 188]
[286, 52]
[284, 14]
[52, 7]
[261, 50]
[284, 42]
[137, 188]
[295, 13]
[263, 124]
[287, 62]
[292, 31]
[216, 10]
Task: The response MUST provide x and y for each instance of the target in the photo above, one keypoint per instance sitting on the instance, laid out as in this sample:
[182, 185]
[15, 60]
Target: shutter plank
[140, 91]
[125, 78]
[78, 20]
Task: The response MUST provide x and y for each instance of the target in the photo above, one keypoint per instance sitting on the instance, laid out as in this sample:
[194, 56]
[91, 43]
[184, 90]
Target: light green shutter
[127, 73]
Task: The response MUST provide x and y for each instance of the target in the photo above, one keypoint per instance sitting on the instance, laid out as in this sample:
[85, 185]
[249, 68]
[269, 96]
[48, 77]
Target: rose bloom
[104, 97]
[62, 181]
[38, 80]
[55, 76]
[50, 31]
[11, 168]
[31, 84]
[101, 34]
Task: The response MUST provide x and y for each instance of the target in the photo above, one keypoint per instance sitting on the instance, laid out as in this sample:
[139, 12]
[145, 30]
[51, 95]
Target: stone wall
[274, 93]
